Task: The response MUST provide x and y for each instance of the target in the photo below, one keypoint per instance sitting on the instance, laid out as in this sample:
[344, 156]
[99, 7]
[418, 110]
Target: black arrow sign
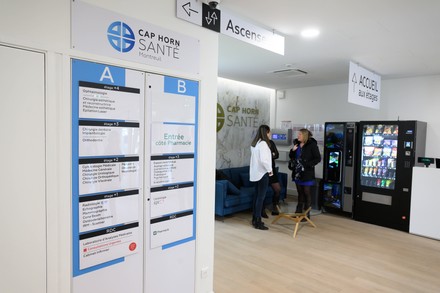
[211, 18]
[187, 8]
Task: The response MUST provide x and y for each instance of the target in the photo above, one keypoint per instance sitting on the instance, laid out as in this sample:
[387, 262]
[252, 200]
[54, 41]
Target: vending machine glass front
[379, 155]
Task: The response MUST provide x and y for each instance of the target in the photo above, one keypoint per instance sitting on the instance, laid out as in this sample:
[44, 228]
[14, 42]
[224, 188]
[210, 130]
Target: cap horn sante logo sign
[220, 117]
[121, 36]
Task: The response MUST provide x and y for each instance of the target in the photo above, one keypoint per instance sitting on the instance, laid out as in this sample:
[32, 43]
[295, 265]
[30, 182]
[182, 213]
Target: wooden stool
[296, 217]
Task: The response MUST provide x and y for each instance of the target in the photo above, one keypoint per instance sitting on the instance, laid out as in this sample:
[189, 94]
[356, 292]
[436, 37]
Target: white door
[22, 172]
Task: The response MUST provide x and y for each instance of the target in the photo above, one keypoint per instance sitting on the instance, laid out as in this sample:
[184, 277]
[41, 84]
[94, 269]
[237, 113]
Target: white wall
[45, 25]
[415, 99]
[404, 99]
[320, 104]
[22, 177]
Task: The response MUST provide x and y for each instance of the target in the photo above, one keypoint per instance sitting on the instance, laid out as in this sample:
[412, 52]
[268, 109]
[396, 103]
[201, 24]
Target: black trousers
[260, 193]
[304, 197]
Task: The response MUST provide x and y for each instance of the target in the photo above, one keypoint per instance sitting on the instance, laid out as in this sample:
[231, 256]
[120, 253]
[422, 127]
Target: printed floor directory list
[173, 161]
[107, 194]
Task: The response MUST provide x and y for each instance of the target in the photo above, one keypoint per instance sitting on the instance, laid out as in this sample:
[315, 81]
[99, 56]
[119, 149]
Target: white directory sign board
[106, 33]
[363, 87]
[107, 144]
[173, 160]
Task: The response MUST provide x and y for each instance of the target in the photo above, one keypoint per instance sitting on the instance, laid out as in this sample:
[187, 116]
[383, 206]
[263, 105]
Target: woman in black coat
[273, 180]
[305, 156]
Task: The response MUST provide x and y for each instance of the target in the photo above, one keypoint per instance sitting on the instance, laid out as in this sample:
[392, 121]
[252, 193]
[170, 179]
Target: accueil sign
[363, 87]
[100, 31]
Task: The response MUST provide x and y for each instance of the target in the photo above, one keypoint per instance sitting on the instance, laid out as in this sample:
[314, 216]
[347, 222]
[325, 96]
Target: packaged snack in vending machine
[378, 181]
[377, 152]
[386, 151]
[379, 129]
[378, 139]
[368, 151]
[369, 129]
[387, 130]
[368, 140]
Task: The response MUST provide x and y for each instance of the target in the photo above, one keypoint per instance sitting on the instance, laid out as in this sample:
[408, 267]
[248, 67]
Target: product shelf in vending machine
[379, 154]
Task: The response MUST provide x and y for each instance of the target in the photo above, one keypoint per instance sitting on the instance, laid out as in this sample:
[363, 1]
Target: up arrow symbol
[214, 16]
[354, 81]
[211, 17]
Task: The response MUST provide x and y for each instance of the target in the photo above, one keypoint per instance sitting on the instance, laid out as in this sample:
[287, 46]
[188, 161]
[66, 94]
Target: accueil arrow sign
[364, 87]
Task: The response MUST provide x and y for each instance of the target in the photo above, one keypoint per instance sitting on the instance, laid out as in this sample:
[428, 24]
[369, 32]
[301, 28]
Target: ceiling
[392, 38]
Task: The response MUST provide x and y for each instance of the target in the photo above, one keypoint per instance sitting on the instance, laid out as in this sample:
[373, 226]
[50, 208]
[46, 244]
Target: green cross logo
[220, 117]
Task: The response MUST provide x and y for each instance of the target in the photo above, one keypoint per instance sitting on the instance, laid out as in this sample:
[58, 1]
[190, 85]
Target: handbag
[292, 164]
[299, 170]
[296, 167]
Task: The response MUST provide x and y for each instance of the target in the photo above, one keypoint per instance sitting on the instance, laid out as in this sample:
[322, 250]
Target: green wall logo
[236, 116]
[220, 117]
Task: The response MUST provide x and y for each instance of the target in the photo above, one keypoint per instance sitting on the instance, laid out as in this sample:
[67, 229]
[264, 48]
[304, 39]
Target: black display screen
[334, 166]
[334, 136]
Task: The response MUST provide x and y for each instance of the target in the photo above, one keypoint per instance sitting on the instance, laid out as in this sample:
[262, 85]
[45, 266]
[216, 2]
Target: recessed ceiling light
[310, 33]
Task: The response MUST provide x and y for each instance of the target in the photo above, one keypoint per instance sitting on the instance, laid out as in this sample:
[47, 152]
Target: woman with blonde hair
[305, 155]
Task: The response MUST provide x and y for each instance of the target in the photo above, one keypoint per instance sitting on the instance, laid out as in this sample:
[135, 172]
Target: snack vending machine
[340, 139]
[388, 151]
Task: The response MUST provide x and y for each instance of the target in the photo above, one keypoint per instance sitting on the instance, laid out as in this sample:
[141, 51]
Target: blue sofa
[237, 193]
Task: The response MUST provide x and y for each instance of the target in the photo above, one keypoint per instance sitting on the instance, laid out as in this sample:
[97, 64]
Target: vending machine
[340, 140]
[388, 151]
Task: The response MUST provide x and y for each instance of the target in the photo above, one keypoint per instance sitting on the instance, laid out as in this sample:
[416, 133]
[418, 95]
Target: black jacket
[275, 153]
[310, 157]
